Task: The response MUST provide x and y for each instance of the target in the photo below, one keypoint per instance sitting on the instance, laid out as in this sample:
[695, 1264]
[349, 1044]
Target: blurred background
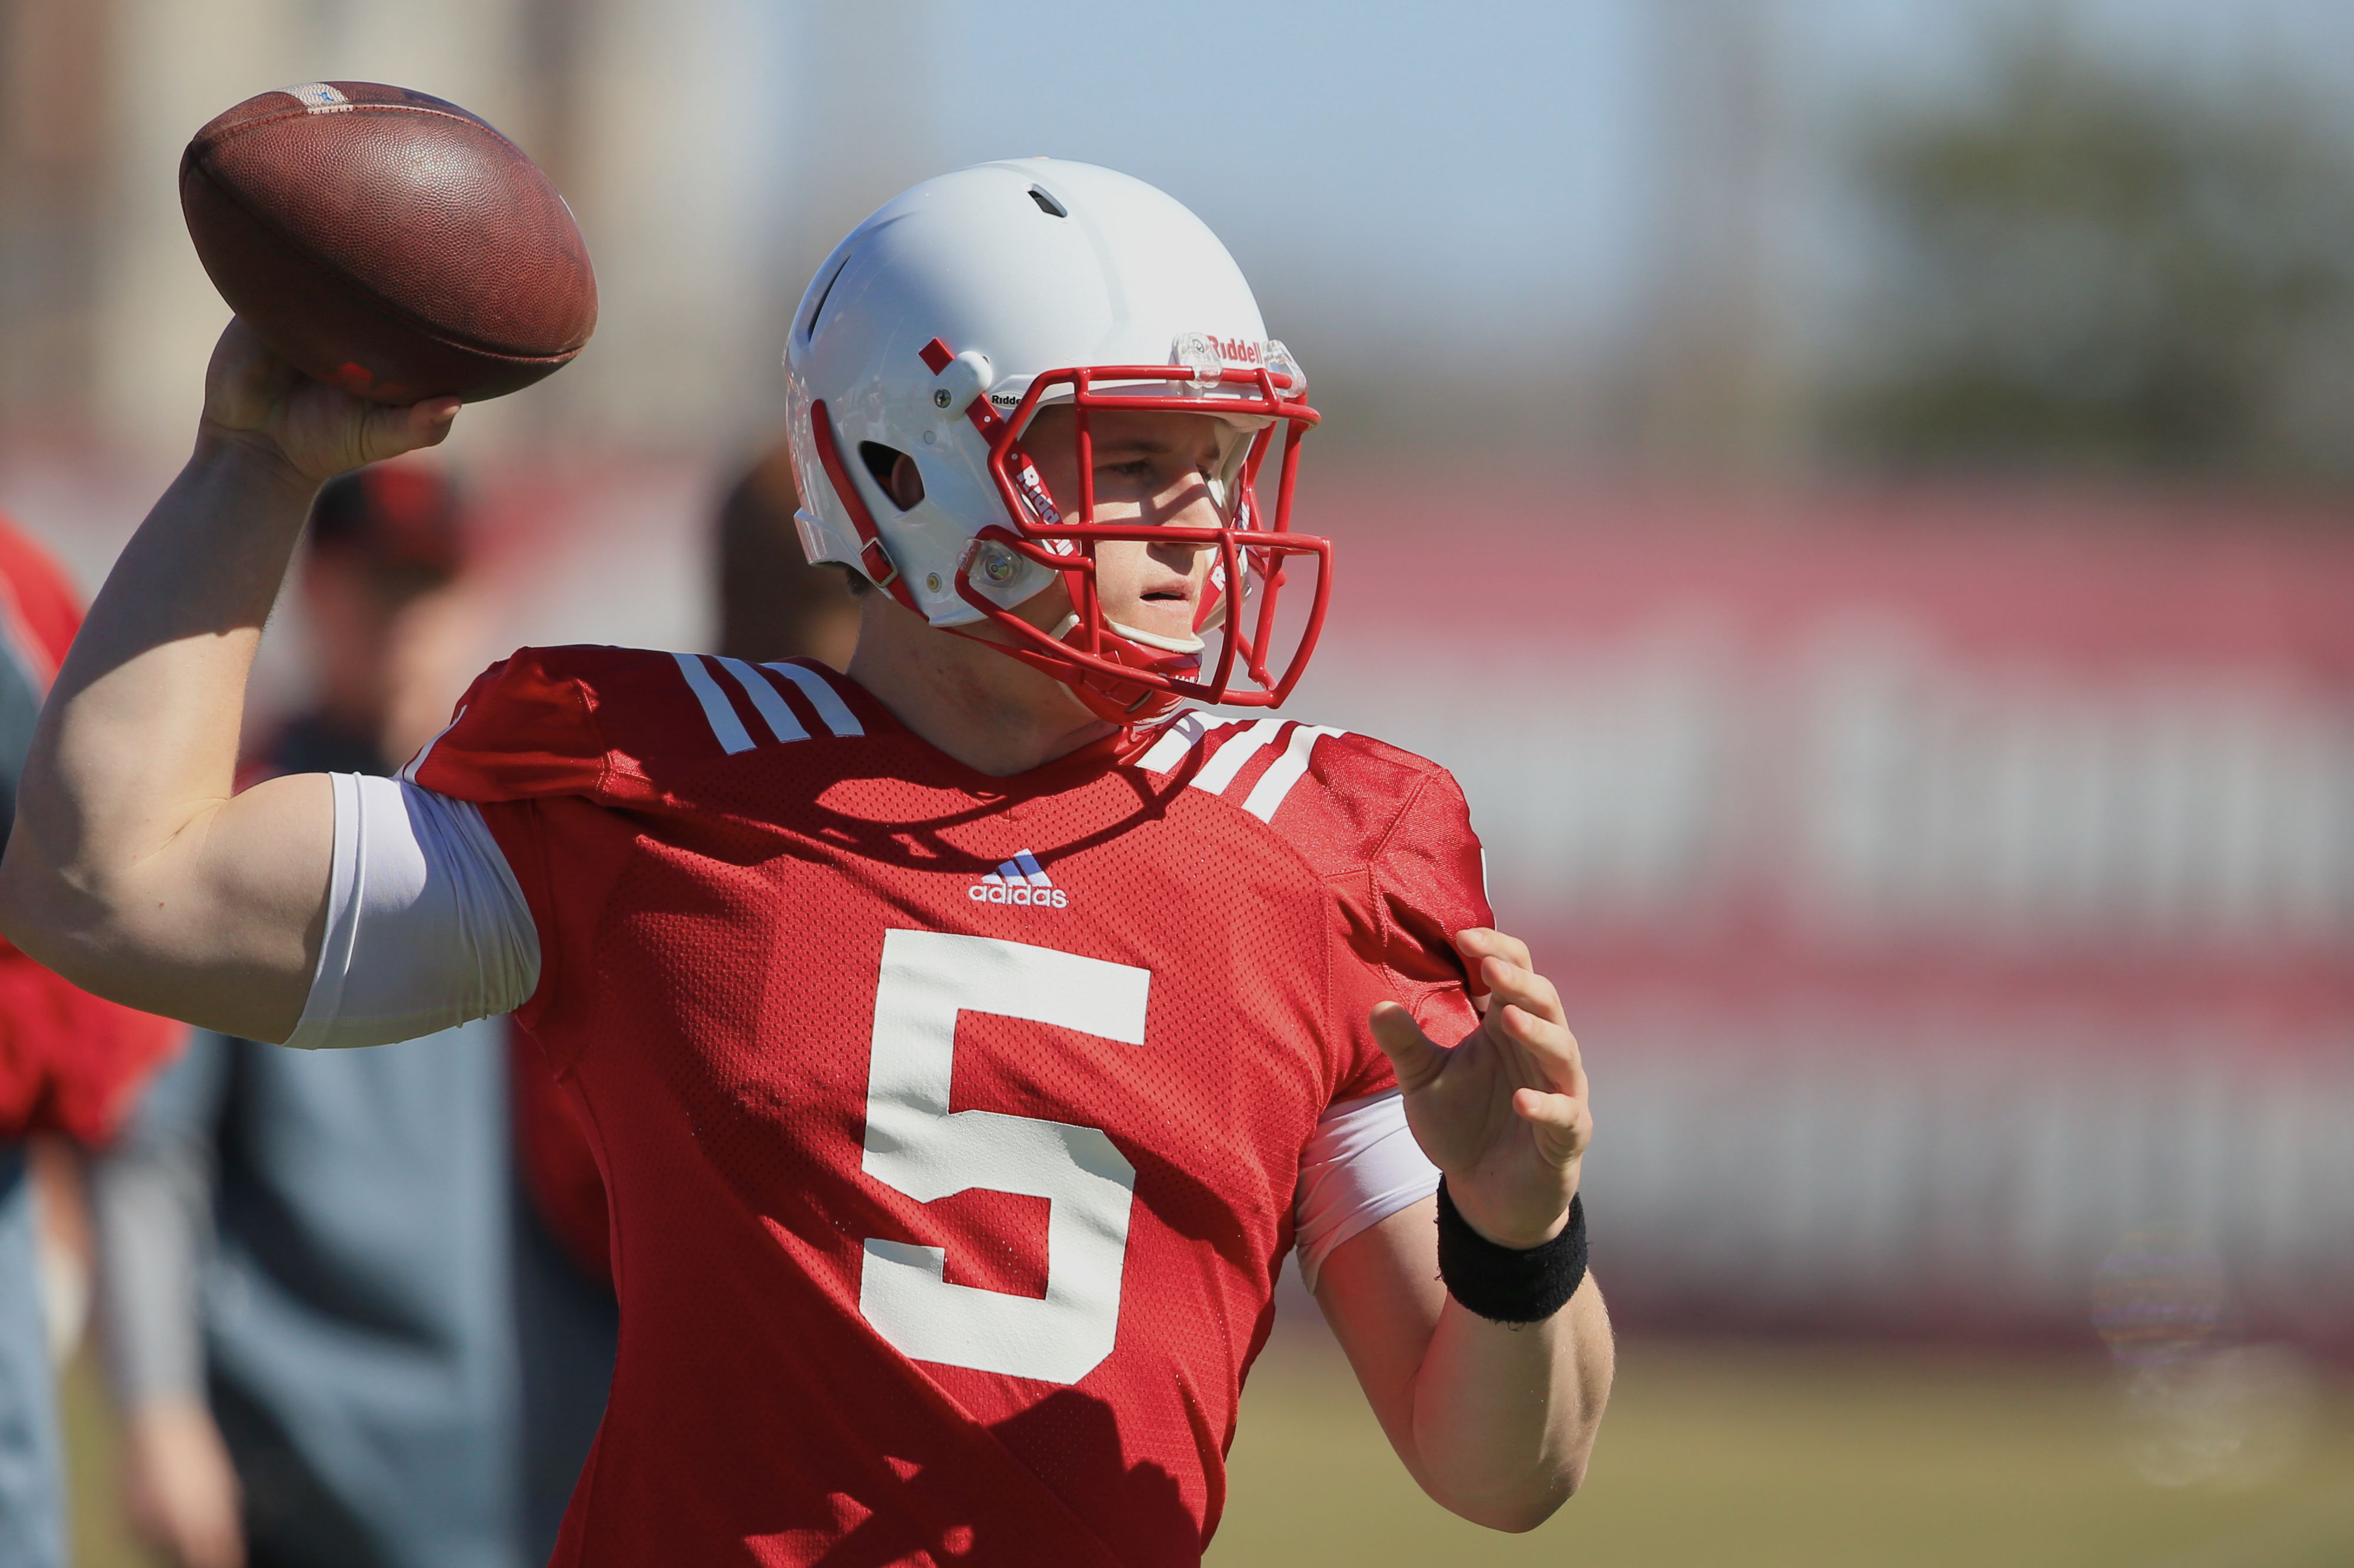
[1862, 491]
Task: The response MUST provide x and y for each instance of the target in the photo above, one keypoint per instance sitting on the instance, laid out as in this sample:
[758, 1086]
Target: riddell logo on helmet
[1234, 351]
[1021, 880]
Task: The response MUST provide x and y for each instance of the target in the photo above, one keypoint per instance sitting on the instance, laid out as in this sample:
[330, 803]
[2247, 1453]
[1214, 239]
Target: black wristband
[1507, 1285]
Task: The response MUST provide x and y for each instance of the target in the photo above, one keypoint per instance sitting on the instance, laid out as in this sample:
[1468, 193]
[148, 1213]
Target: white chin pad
[1151, 639]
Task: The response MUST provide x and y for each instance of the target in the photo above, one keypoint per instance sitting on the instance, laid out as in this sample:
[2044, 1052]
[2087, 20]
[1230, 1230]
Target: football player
[966, 1039]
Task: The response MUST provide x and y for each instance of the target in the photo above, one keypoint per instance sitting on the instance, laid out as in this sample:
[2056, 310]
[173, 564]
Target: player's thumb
[1413, 1055]
[389, 430]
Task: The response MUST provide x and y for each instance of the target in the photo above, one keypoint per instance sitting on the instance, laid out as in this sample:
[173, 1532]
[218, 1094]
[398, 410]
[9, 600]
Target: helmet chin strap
[1128, 705]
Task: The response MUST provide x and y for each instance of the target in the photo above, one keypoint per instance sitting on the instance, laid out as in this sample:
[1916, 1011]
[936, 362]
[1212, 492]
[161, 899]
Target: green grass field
[1724, 1454]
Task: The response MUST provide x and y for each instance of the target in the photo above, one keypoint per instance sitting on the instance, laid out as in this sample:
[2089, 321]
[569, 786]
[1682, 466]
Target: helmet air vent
[1047, 204]
[894, 474]
[809, 333]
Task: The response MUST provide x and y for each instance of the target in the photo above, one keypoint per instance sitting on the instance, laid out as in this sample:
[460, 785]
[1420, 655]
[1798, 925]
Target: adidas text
[992, 892]
[1021, 880]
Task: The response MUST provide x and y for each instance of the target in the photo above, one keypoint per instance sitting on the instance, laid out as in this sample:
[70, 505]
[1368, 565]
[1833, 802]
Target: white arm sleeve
[426, 926]
[1362, 1167]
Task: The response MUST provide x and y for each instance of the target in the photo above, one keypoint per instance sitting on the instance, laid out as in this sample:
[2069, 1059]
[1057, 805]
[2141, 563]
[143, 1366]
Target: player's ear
[896, 471]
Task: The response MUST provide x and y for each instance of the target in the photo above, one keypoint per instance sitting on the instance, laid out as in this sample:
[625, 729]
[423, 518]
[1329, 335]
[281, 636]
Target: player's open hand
[256, 400]
[1504, 1113]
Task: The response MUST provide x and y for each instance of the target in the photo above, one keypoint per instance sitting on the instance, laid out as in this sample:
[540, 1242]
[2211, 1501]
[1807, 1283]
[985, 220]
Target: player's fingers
[389, 430]
[1564, 1124]
[427, 424]
[1414, 1057]
[1478, 942]
[1548, 1050]
[1524, 987]
[240, 351]
[439, 414]
[244, 381]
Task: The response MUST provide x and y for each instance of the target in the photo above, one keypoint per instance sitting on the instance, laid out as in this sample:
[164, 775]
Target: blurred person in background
[330, 1326]
[68, 1065]
[773, 603]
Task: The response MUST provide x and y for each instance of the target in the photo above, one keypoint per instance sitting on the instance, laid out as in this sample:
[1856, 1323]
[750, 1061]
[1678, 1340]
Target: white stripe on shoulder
[725, 727]
[1179, 735]
[830, 709]
[1220, 771]
[1266, 795]
[772, 709]
[417, 761]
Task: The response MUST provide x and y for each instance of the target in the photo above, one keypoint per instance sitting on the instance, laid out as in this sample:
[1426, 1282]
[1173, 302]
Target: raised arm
[133, 869]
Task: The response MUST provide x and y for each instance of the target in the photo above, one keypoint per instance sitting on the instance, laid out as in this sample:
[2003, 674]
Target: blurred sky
[1488, 175]
[1533, 191]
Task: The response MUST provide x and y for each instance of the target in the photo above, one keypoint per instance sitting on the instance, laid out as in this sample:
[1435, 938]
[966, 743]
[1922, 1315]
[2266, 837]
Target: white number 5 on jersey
[915, 1145]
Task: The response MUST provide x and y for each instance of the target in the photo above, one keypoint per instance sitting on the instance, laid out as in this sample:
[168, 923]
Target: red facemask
[1123, 676]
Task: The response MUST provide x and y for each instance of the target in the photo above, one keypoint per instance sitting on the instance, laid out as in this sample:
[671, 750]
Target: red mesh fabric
[557, 1166]
[714, 928]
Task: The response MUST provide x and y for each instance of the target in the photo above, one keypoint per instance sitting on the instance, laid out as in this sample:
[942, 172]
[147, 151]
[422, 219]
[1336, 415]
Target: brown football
[388, 242]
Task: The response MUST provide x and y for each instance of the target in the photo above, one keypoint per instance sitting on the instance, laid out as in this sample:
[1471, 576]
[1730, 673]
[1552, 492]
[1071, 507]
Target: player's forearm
[1505, 1415]
[138, 740]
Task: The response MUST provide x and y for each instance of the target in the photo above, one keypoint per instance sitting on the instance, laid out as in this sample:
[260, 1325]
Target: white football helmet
[939, 329]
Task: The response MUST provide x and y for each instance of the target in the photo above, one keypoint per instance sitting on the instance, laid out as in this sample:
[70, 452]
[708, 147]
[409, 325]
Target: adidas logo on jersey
[1021, 880]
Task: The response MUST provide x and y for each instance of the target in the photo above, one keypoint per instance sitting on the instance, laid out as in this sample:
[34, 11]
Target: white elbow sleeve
[426, 926]
[1362, 1167]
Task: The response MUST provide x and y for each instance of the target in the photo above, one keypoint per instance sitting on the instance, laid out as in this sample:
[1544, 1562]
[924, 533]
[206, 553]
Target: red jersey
[68, 1061]
[950, 1123]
